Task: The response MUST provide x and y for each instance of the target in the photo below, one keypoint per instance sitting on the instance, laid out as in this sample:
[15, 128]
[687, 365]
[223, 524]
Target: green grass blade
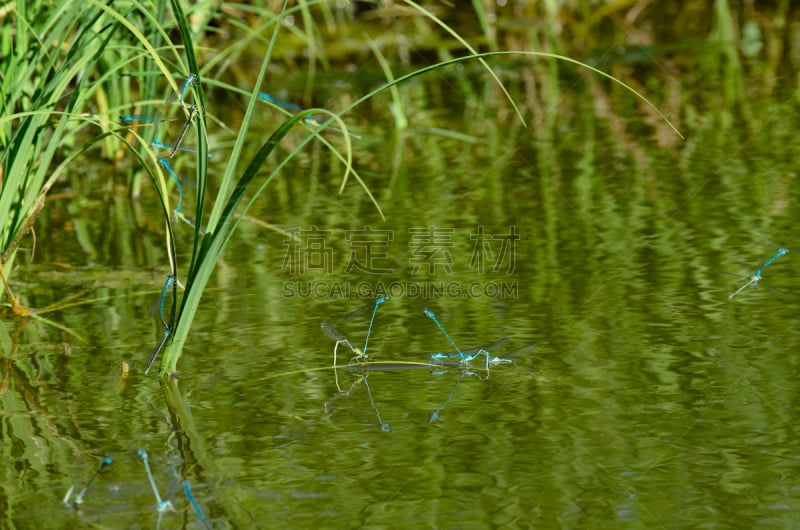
[213, 245]
[205, 256]
[472, 50]
[201, 155]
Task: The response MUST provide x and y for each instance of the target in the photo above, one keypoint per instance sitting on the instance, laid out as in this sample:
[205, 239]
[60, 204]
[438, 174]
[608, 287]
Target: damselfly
[756, 276]
[335, 334]
[169, 283]
[463, 358]
[310, 120]
[78, 500]
[192, 112]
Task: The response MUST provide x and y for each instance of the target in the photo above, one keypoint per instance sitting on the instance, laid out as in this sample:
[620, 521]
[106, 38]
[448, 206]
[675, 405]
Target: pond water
[651, 399]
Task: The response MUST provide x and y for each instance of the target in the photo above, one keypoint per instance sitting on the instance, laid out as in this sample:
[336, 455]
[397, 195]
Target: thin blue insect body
[756, 277]
[161, 505]
[285, 104]
[188, 491]
[167, 284]
[128, 118]
[167, 328]
[378, 301]
[166, 165]
[430, 315]
[463, 358]
[781, 252]
[291, 107]
[151, 359]
[79, 498]
[192, 79]
[434, 416]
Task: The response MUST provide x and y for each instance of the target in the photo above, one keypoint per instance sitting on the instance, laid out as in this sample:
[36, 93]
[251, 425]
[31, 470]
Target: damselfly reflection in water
[434, 416]
[755, 278]
[78, 500]
[188, 491]
[466, 370]
[161, 504]
[361, 379]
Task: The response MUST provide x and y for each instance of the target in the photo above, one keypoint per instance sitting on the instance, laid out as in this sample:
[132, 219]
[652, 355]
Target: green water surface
[650, 401]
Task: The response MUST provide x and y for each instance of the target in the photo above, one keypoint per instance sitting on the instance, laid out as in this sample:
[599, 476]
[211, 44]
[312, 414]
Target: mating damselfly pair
[333, 333]
[163, 504]
[458, 357]
[192, 111]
